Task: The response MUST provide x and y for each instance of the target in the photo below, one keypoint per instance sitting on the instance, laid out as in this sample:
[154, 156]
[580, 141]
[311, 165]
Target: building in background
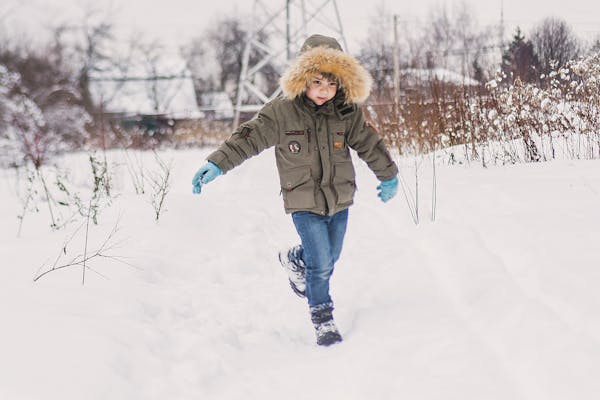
[147, 95]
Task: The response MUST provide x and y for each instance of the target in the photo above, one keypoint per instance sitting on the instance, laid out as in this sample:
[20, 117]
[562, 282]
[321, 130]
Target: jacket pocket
[338, 143]
[344, 182]
[298, 188]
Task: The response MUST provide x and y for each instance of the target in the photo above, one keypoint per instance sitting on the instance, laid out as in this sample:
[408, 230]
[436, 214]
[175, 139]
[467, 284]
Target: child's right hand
[205, 174]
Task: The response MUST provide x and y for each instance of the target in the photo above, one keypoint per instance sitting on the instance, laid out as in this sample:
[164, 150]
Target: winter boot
[325, 329]
[295, 268]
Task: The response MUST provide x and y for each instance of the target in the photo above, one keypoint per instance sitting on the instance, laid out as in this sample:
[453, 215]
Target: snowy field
[496, 299]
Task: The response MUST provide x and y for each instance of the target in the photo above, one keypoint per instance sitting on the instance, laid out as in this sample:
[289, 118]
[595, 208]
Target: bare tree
[151, 55]
[441, 36]
[377, 50]
[228, 40]
[413, 48]
[477, 54]
[215, 58]
[554, 41]
[202, 66]
[454, 40]
[594, 47]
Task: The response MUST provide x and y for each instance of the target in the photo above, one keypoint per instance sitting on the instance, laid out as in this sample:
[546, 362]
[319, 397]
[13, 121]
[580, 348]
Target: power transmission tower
[284, 29]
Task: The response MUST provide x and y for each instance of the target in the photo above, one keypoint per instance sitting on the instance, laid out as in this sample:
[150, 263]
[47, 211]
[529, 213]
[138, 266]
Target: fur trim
[354, 79]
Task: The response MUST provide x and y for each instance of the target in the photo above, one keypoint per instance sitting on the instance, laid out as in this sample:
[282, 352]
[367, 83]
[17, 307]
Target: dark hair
[330, 77]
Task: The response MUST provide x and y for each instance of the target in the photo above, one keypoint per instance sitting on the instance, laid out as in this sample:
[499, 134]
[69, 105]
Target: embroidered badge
[338, 145]
[294, 147]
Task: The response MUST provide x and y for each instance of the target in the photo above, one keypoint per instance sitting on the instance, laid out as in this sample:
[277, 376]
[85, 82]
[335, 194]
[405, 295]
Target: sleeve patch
[369, 125]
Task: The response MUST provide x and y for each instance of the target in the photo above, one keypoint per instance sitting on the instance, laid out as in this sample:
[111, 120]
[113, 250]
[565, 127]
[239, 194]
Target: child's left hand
[388, 189]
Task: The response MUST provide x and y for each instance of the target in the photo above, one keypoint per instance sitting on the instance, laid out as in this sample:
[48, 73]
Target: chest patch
[294, 147]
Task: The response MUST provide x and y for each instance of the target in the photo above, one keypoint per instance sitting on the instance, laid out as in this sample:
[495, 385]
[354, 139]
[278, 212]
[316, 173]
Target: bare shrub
[53, 187]
[160, 182]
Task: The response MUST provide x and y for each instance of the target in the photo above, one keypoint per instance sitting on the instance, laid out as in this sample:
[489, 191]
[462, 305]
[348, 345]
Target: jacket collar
[327, 108]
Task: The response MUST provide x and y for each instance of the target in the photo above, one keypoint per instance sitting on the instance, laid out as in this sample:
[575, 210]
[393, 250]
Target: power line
[139, 78]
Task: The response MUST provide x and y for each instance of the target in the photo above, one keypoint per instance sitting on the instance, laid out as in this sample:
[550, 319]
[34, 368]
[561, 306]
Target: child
[312, 126]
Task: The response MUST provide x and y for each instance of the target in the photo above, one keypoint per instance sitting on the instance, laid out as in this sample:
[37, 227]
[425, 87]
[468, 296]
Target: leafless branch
[82, 260]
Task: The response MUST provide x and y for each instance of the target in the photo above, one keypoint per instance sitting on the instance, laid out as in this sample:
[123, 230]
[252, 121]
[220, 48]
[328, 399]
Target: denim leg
[322, 238]
[314, 235]
[337, 231]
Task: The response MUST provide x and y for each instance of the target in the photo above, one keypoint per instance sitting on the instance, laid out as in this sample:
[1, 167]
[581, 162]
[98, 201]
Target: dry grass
[524, 122]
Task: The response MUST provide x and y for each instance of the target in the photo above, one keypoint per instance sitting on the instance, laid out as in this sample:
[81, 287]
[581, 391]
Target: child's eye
[333, 84]
[317, 82]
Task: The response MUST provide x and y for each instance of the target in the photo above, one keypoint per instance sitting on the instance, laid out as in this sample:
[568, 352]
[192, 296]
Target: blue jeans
[322, 237]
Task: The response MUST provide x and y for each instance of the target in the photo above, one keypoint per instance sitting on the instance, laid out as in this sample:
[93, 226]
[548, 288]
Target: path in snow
[495, 300]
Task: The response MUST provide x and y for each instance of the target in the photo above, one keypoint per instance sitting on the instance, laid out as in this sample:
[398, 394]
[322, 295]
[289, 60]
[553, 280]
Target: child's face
[321, 90]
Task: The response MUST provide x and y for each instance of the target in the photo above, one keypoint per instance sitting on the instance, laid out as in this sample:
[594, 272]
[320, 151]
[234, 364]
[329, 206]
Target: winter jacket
[312, 142]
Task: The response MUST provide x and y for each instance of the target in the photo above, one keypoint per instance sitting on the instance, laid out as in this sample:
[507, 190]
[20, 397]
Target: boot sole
[329, 338]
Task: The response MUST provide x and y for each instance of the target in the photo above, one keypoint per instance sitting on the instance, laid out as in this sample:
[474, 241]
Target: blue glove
[207, 173]
[388, 189]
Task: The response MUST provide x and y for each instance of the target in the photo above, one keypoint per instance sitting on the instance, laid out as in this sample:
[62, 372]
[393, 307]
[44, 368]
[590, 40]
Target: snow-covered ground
[496, 299]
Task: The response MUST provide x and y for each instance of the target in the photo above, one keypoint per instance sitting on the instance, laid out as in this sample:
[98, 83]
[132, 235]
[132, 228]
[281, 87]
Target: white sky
[176, 21]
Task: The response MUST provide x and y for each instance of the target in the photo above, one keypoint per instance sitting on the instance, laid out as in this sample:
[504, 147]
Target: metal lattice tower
[276, 38]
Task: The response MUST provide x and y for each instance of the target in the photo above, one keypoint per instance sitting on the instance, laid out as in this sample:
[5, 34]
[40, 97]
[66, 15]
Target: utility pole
[287, 31]
[501, 33]
[396, 67]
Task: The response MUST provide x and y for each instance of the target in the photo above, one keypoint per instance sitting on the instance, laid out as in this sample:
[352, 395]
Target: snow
[496, 299]
[139, 93]
[219, 103]
[439, 74]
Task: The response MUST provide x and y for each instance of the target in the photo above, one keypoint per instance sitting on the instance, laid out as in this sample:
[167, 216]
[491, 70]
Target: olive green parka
[312, 143]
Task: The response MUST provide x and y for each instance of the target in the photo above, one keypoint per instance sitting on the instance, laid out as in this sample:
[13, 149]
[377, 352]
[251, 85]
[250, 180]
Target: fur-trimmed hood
[322, 54]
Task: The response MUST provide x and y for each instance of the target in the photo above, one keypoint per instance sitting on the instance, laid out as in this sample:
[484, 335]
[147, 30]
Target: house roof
[416, 75]
[165, 88]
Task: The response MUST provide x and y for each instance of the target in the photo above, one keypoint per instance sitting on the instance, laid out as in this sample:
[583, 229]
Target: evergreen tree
[519, 60]
[478, 73]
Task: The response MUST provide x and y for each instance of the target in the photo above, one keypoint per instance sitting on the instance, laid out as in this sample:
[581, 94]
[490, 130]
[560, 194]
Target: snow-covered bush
[502, 122]
[22, 125]
[33, 133]
[583, 97]
[67, 120]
